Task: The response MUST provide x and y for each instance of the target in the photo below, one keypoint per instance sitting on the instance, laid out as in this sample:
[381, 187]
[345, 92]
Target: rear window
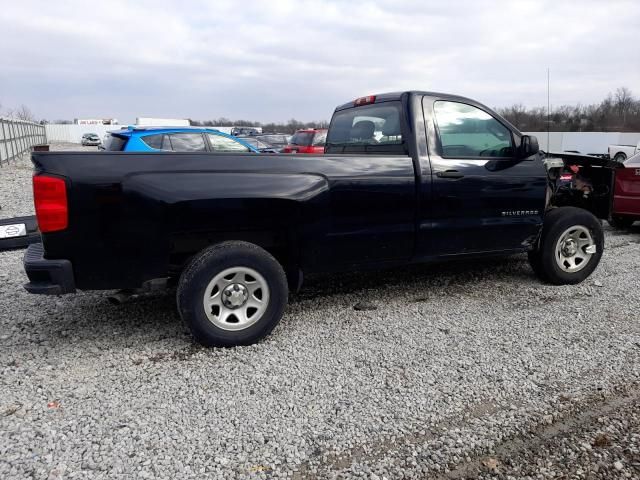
[372, 128]
[302, 138]
[319, 139]
[115, 143]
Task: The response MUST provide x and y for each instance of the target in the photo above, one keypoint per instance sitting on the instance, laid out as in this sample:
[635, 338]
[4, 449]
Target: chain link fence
[17, 137]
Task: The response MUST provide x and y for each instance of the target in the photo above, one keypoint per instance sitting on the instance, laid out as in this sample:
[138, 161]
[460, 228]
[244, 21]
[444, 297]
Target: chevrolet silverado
[405, 177]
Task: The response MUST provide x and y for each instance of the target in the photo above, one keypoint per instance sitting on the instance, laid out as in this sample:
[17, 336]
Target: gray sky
[276, 60]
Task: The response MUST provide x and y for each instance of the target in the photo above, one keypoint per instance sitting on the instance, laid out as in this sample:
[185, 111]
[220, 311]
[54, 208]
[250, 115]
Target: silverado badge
[519, 213]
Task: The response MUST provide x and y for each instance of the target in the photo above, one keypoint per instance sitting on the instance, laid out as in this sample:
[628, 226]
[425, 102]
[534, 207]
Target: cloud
[278, 60]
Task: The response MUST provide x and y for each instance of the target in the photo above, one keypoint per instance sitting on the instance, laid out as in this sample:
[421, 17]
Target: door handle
[450, 174]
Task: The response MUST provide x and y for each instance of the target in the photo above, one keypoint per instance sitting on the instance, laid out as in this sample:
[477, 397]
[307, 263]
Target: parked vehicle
[406, 178]
[626, 196]
[174, 139]
[277, 140]
[91, 139]
[309, 140]
[620, 153]
[259, 145]
[237, 131]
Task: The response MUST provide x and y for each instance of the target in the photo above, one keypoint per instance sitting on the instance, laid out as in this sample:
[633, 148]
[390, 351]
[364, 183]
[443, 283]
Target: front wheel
[570, 247]
[233, 293]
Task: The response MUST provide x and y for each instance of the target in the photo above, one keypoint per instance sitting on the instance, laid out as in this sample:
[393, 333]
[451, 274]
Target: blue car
[173, 139]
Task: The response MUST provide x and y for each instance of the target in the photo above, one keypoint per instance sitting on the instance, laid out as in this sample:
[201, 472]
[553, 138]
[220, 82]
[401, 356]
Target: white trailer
[162, 122]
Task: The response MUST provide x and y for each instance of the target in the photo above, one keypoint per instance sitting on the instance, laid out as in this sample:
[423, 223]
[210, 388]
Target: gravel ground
[468, 370]
[16, 196]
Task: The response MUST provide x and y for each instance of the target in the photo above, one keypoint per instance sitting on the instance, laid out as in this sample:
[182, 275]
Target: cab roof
[396, 96]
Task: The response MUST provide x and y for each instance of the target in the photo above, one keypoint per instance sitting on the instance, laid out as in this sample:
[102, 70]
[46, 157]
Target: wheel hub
[574, 249]
[570, 248]
[235, 296]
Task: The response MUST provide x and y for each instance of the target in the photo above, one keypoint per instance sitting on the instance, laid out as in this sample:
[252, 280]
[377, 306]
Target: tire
[565, 254]
[619, 157]
[245, 289]
[621, 222]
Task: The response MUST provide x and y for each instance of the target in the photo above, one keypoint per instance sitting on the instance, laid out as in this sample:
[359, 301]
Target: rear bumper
[47, 277]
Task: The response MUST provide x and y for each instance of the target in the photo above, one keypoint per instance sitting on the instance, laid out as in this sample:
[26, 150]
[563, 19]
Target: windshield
[302, 138]
[372, 128]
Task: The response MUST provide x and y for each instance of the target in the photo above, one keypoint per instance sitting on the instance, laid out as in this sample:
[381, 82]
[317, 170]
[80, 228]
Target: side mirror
[528, 146]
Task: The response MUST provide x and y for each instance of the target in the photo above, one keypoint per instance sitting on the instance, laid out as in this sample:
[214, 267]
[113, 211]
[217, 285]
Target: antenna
[548, 110]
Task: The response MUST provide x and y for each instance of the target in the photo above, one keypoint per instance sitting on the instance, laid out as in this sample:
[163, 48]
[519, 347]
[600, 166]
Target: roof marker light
[365, 100]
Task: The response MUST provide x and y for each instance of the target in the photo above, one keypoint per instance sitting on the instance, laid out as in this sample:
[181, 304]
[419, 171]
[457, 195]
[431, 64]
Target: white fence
[584, 142]
[73, 133]
[17, 137]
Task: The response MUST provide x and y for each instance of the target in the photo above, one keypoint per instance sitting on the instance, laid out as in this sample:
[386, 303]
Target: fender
[274, 211]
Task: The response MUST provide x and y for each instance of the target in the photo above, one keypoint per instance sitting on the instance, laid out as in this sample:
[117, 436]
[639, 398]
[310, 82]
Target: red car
[309, 140]
[626, 196]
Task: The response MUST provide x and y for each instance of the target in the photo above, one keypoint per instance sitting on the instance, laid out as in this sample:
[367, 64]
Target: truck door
[483, 198]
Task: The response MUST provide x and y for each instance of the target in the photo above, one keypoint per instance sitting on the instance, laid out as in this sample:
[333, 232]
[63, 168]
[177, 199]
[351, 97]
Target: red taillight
[365, 100]
[50, 199]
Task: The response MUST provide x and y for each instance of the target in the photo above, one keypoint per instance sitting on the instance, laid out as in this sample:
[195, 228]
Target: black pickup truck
[406, 177]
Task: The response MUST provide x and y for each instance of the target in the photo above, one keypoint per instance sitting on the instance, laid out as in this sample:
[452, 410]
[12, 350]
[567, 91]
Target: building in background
[95, 121]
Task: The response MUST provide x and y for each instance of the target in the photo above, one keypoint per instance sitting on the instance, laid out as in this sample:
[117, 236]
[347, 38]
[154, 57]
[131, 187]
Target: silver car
[91, 139]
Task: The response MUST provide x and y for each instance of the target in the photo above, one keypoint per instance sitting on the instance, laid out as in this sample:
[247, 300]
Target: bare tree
[24, 113]
[623, 102]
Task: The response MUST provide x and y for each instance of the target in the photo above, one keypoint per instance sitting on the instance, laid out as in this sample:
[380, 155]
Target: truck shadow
[151, 321]
[438, 278]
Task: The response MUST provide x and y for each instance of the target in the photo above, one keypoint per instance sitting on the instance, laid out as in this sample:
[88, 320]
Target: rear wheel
[233, 293]
[570, 248]
[620, 222]
[619, 157]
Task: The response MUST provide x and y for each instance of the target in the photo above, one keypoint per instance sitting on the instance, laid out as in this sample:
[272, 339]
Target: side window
[224, 144]
[187, 142]
[154, 141]
[467, 131]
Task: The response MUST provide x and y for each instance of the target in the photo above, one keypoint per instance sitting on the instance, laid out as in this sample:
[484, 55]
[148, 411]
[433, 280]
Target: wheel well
[278, 244]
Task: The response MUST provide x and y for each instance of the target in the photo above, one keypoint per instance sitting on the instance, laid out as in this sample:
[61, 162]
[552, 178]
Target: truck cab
[480, 184]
